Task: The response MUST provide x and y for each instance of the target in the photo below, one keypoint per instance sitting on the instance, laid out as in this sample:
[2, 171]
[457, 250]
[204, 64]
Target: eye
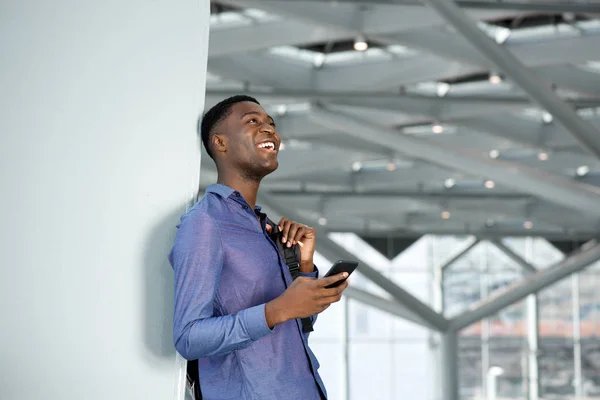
[252, 120]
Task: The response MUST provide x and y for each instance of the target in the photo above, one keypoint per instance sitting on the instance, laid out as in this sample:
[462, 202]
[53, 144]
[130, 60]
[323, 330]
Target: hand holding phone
[306, 297]
[339, 267]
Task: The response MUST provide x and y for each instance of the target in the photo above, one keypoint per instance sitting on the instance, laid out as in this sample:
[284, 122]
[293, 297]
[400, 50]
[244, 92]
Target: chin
[271, 167]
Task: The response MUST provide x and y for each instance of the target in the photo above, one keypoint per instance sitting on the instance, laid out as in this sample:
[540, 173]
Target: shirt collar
[226, 192]
[220, 189]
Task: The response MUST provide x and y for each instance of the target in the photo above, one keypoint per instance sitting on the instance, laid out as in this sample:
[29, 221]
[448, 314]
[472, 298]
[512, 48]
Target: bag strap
[291, 256]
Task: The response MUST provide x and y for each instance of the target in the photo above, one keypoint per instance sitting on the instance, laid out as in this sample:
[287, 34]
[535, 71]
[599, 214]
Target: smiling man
[237, 308]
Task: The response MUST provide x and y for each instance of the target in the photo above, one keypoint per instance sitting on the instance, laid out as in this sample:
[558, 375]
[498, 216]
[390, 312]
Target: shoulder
[209, 209]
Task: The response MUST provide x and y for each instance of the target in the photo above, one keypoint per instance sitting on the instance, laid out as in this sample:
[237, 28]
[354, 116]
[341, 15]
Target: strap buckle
[294, 268]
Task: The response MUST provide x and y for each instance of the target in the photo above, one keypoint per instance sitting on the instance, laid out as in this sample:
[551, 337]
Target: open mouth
[267, 146]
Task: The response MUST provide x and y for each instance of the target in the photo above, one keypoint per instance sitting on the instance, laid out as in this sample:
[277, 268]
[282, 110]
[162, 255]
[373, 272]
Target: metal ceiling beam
[241, 39]
[440, 41]
[332, 250]
[552, 188]
[385, 305]
[585, 133]
[459, 253]
[445, 107]
[503, 298]
[451, 46]
[514, 256]
[486, 5]
[372, 20]
[281, 95]
[481, 232]
[417, 195]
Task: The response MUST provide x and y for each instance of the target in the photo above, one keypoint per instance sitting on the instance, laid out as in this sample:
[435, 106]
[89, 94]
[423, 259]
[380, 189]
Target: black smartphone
[339, 267]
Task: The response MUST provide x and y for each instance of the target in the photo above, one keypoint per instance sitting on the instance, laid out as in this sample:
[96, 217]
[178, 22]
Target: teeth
[267, 144]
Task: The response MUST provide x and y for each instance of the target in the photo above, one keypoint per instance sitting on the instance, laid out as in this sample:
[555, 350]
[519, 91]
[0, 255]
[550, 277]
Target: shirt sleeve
[197, 259]
[313, 274]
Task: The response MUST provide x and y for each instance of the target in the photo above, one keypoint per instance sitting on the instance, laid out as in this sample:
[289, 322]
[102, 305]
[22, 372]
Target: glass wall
[387, 357]
[368, 354]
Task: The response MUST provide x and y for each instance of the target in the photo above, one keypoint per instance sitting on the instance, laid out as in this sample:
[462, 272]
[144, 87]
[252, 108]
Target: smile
[267, 145]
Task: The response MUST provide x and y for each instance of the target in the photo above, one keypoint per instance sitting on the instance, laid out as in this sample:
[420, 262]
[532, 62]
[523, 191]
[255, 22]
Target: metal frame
[405, 305]
[552, 188]
[489, 5]
[585, 133]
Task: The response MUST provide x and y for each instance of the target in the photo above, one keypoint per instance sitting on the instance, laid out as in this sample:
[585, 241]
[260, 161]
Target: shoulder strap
[291, 256]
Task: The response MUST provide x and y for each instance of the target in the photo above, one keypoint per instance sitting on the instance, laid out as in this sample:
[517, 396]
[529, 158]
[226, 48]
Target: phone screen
[339, 267]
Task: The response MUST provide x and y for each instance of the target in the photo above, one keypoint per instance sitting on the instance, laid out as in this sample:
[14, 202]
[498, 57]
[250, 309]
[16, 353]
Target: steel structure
[466, 117]
[513, 155]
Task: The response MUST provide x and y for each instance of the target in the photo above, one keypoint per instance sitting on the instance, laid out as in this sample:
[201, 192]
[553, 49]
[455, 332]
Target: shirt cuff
[314, 274]
[255, 321]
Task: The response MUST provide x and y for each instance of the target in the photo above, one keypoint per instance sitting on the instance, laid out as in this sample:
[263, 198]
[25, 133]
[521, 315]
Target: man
[237, 309]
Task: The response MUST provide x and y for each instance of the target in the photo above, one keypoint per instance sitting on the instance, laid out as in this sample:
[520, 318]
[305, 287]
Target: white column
[533, 391]
[578, 375]
[346, 339]
[484, 282]
[99, 157]
[450, 389]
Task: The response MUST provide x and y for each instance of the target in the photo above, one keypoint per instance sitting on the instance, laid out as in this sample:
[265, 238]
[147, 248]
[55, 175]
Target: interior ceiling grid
[423, 80]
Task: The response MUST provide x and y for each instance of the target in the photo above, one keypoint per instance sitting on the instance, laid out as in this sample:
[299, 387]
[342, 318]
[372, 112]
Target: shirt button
[237, 194]
[245, 207]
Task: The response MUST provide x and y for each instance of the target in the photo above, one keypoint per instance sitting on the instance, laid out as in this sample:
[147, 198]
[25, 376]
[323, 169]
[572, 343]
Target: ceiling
[420, 133]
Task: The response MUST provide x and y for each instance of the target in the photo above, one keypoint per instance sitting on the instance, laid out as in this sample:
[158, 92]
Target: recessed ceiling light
[281, 109]
[449, 183]
[490, 222]
[445, 214]
[495, 78]
[494, 153]
[542, 156]
[319, 60]
[437, 128]
[391, 167]
[547, 117]
[489, 184]
[322, 221]
[357, 166]
[501, 35]
[442, 89]
[360, 44]
[527, 224]
[583, 170]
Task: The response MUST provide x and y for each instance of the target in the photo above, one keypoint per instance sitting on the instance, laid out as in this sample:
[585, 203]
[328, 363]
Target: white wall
[98, 106]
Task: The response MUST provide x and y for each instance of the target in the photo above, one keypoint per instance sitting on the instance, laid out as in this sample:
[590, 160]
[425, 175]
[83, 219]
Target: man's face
[251, 140]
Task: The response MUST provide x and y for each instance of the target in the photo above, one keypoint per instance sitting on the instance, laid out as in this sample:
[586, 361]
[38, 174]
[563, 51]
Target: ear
[219, 143]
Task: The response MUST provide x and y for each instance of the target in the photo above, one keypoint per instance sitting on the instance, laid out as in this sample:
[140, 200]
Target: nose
[268, 128]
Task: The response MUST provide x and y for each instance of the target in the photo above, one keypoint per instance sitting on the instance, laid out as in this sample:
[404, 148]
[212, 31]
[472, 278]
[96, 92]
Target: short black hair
[218, 113]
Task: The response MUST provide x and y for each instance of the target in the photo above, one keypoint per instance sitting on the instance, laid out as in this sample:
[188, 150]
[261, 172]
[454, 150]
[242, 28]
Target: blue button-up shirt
[226, 270]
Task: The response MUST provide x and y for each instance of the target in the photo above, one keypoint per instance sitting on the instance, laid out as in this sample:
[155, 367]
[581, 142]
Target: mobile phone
[339, 267]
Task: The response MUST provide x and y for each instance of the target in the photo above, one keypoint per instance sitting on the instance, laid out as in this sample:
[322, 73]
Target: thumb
[268, 228]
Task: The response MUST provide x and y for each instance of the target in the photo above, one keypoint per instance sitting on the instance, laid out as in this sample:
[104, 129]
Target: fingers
[291, 231]
[268, 228]
[303, 232]
[284, 227]
[295, 231]
[330, 280]
[335, 291]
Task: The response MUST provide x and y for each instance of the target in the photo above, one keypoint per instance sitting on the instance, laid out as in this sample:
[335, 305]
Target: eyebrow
[256, 113]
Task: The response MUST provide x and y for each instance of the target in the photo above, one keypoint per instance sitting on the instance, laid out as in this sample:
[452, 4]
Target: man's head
[239, 135]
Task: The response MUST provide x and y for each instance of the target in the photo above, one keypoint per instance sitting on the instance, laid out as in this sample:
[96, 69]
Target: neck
[247, 187]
